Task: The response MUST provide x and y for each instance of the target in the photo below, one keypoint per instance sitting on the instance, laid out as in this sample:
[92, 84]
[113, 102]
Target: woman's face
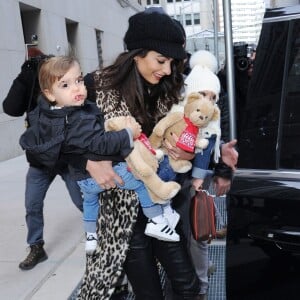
[153, 67]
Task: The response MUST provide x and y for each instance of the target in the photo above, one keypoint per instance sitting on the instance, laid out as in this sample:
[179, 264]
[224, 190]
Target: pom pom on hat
[205, 59]
[155, 31]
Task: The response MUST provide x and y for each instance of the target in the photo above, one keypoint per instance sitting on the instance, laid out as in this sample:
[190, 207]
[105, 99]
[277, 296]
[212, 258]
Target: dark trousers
[38, 182]
[141, 264]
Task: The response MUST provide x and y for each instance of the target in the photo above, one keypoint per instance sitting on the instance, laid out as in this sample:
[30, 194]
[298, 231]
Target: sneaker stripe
[168, 230]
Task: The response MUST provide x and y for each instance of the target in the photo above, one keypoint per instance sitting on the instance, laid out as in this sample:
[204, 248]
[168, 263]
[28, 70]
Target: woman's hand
[104, 174]
[221, 185]
[177, 153]
[229, 154]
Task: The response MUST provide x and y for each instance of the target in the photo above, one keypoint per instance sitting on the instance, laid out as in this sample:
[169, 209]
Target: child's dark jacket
[72, 131]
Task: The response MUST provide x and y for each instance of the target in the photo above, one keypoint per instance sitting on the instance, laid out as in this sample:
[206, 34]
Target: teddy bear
[198, 112]
[143, 163]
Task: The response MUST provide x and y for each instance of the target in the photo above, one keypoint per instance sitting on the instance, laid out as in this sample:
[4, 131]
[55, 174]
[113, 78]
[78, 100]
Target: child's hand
[197, 184]
[134, 126]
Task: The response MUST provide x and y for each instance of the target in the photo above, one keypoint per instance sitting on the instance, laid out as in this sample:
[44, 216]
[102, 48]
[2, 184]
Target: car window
[290, 149]
[259, 134]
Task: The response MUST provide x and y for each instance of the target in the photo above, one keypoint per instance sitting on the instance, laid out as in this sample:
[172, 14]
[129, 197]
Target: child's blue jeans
[90, 190]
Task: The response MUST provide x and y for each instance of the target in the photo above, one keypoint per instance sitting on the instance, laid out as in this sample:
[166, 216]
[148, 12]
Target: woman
[144, 82]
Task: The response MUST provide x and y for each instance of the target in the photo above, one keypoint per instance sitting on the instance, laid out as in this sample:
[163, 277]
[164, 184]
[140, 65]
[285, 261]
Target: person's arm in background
[201, 164]
[17, 100]
[223, 171]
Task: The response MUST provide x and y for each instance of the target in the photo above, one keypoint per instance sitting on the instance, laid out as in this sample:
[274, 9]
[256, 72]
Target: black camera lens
[242, 63]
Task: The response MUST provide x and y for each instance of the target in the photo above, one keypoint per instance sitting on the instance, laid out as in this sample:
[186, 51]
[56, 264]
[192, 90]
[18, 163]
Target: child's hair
[53, 69]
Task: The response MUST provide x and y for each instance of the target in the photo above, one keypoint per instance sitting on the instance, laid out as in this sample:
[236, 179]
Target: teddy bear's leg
[137, 162]
[180, 166]
[159, 189]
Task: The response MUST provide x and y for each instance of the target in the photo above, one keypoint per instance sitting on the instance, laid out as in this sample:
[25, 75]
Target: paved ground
[56, 277]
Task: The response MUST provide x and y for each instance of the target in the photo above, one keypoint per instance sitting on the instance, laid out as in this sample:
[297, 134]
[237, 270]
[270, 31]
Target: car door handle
[286, 234]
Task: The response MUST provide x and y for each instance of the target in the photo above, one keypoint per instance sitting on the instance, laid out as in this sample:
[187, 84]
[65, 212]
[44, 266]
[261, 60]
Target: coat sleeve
[17, 100]
[88, 134]
[202, 160]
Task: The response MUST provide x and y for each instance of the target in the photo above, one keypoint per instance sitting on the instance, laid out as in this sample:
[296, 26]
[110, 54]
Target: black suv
[263, 242]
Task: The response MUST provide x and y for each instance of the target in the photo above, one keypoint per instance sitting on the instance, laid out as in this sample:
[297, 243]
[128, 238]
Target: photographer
[22, 98]
[243, 65]
[244, 57]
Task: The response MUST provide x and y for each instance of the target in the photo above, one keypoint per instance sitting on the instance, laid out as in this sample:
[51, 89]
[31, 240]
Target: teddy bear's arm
[166, 122]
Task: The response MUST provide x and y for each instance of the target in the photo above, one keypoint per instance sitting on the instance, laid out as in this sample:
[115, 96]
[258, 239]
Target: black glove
[30, 65]
[27, 77]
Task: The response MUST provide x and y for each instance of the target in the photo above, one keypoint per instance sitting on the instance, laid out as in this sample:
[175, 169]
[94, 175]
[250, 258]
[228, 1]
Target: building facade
[92, 30]
[201, 20]
[246, 19]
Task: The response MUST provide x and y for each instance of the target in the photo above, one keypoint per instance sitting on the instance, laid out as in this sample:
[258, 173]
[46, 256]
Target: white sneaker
[91, 243]
[173, 218]
[161, 231]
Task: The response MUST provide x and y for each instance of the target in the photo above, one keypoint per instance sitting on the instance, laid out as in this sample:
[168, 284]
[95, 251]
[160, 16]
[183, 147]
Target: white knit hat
[202, 79]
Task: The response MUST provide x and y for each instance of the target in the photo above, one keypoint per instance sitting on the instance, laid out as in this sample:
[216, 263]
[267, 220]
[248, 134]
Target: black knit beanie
[155, 31]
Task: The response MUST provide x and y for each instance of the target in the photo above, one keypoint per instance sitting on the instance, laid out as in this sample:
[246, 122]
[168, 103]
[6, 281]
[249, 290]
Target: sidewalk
[57, 277]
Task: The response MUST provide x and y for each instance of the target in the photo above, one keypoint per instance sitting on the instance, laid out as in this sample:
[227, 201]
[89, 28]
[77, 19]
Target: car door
[263, 242]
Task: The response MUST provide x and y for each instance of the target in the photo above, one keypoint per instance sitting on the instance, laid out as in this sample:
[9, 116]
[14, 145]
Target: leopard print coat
[118, 214]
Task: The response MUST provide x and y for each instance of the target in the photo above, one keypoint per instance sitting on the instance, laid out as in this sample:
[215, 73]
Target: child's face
[209, 95]
[69, 90]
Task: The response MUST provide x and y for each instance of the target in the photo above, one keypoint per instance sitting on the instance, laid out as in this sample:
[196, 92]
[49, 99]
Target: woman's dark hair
[140, 96]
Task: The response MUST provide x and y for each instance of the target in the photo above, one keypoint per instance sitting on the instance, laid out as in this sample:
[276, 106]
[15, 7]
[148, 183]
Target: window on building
[99, 47]
[148, 2]
[178, 0]
[139, 2]
[196, 19]
[30, 21]
[155, 1]
[72, 36]
[188, 19]
[170, 1]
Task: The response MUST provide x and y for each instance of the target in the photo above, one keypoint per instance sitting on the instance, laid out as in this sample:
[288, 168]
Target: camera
[242, 53]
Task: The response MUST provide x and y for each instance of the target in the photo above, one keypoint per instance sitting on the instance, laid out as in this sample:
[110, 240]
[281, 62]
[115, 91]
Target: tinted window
[290, 145]
[260, 119]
